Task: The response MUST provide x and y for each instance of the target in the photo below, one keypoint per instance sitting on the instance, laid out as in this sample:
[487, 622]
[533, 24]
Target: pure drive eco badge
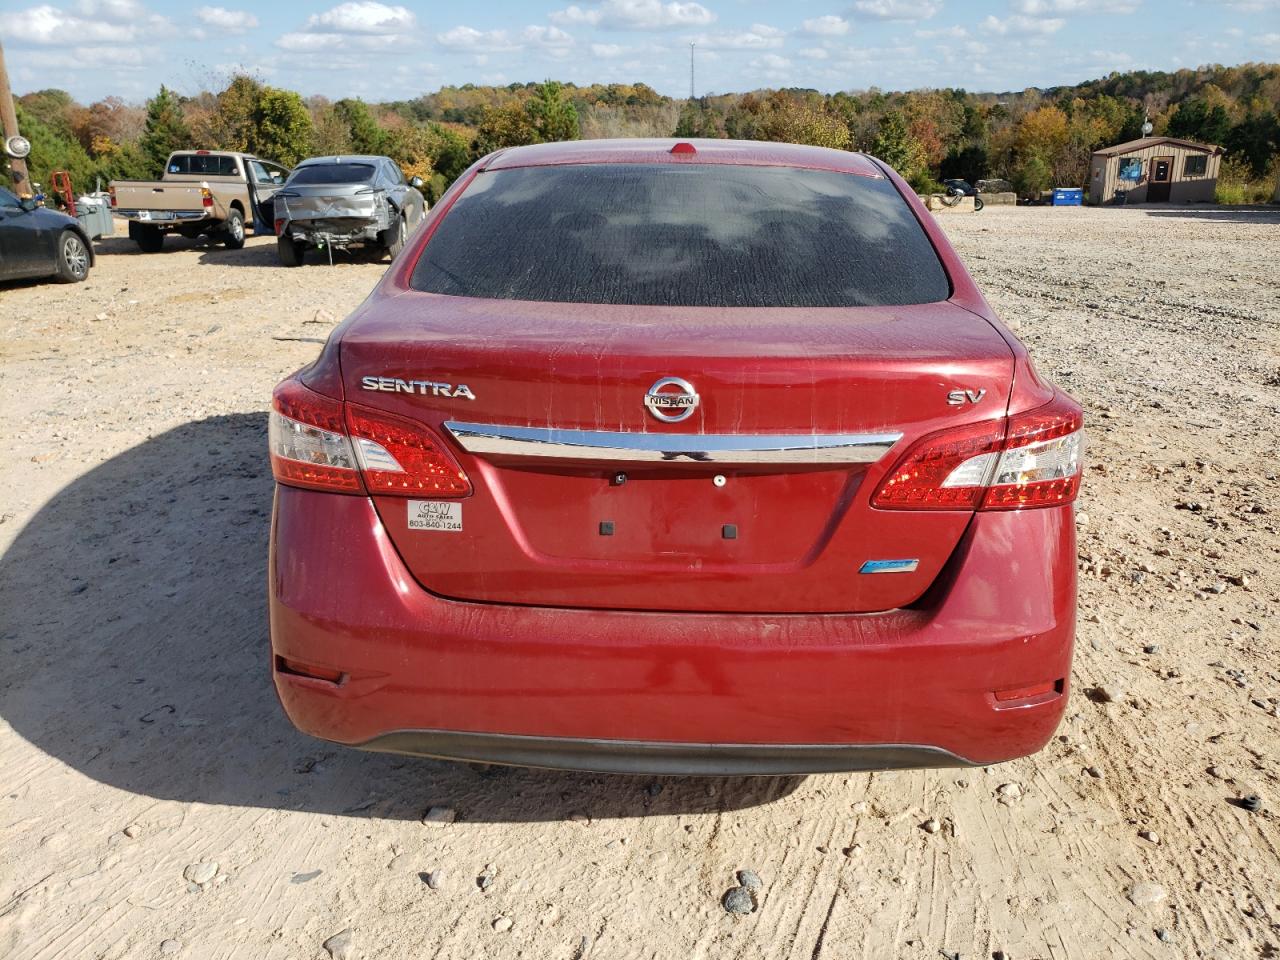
[435, 515]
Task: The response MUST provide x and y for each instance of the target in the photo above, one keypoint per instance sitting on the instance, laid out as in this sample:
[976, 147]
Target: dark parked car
[38, 242]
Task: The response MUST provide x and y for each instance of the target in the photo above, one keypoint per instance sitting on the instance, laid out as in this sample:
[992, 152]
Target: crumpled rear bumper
[363, 655]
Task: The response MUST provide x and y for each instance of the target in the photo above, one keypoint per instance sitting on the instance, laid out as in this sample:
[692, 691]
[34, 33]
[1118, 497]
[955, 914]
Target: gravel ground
[156, 802]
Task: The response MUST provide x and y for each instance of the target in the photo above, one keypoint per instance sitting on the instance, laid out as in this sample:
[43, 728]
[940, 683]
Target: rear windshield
[204, 165]
[697, 235]
[333, 173]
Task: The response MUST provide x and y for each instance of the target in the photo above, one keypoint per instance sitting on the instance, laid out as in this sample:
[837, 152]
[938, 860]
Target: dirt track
[134, 690]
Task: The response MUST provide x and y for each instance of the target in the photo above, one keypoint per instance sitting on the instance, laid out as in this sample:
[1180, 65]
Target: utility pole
[691, 46]
[9, 121]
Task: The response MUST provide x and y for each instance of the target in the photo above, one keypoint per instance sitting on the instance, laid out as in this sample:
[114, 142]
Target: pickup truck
[202, 192]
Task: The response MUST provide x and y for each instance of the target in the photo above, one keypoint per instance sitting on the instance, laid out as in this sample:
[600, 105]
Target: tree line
[1035, 138]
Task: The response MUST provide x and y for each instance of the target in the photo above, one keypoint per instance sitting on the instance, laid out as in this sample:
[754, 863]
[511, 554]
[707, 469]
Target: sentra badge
[428, 387]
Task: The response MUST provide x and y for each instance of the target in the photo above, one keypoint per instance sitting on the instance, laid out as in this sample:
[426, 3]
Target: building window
[1130, 169]
[1195, 166]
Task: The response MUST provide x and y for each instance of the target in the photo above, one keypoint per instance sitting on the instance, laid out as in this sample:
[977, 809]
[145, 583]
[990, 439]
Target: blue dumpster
[1068, 196]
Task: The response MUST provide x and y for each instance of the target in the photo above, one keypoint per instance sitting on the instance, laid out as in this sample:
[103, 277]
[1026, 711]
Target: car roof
[751, 153]
[343, 158]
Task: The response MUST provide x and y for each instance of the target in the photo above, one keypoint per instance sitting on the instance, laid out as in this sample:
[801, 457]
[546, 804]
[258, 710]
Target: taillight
[317, 443]
[400, 456]
[308, 441]
[1042, 459]
[206, 197]
[1031, 459]
[279, 226]
[111, 192]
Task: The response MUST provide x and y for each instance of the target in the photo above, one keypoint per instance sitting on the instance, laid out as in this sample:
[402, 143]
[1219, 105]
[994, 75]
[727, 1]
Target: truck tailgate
[157, 195]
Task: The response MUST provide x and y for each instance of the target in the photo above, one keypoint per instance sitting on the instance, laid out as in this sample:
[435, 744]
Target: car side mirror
[415, 182]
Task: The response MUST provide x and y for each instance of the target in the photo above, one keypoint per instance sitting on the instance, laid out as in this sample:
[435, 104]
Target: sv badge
[958, 398]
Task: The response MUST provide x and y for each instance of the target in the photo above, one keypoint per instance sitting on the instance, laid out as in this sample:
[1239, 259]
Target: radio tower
[691, 46]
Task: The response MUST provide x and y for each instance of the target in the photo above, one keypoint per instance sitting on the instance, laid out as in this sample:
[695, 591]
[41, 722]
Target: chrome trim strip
[616, 447]
[889, 566]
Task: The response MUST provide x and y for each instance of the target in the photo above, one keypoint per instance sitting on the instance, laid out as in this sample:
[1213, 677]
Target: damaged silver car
[341, 202]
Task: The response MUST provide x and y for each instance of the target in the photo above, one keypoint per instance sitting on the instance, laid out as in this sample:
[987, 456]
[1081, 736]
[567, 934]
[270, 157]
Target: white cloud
[469, 38]
[312, 42]
[1040, 8]
[229, 21]
[636, 15]
[360, 26]
[104, 21]
[92, 58]
[759, 37]
[607, 51]
[952, 33]
[898, 9]
[772, 67]
[365, 17]
[827, 26]
[551, 38]
[1252, 6]
[814, 53]
[1020, 26]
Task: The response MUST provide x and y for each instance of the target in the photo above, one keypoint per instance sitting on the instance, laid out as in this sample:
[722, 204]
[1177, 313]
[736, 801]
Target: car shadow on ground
[135, 652]
[265, 255]
[1260, 215]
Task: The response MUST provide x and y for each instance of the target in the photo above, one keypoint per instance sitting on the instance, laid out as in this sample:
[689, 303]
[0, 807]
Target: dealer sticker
[435, 515]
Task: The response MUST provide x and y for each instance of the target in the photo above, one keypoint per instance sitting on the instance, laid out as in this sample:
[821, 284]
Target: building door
[1161, 175]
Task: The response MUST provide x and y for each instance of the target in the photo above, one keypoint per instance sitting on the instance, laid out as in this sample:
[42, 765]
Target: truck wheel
[290, 250]
[977, 204]
[73, 258]
[392, 238]
[149, 239]
[233, 230]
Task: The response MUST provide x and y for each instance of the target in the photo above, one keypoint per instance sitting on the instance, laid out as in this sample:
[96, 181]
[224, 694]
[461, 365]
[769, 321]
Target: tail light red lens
[111, 192]
[206, 197]
[279, 226]
[1032, 459]
[321, 444]
[400, 456]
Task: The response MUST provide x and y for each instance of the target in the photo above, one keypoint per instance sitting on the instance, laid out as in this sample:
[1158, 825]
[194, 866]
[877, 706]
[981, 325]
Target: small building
[1155, 170]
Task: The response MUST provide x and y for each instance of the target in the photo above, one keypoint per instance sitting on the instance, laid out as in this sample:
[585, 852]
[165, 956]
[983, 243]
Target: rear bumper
[670, 692]
[161, 217]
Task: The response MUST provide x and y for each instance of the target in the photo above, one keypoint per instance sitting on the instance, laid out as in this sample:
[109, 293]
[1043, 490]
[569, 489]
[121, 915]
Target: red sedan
[698, 457]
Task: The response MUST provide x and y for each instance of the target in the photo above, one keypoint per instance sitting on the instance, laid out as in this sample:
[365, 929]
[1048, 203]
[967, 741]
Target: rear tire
[977, 204]
[393, 237]
[291, 251]
[233, 230]
[149, 239]
[73, 258]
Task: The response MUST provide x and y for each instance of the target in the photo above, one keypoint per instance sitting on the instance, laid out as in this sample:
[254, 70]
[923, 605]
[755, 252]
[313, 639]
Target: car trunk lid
[756, 500]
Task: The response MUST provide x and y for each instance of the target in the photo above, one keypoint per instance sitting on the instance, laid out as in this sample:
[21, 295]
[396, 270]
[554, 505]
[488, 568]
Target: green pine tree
[165, 130]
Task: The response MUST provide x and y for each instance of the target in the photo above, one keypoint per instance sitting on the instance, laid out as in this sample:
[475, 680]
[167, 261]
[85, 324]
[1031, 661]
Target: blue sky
[376, 50]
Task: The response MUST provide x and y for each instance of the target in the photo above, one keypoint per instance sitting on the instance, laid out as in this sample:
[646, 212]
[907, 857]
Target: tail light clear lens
[400, 456]
[308, 443]
[320, 444]
[1042, 459]
[1031, 460]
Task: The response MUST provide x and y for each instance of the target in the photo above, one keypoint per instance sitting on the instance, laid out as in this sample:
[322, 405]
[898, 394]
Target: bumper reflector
[310, 671]
[1035, 693]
